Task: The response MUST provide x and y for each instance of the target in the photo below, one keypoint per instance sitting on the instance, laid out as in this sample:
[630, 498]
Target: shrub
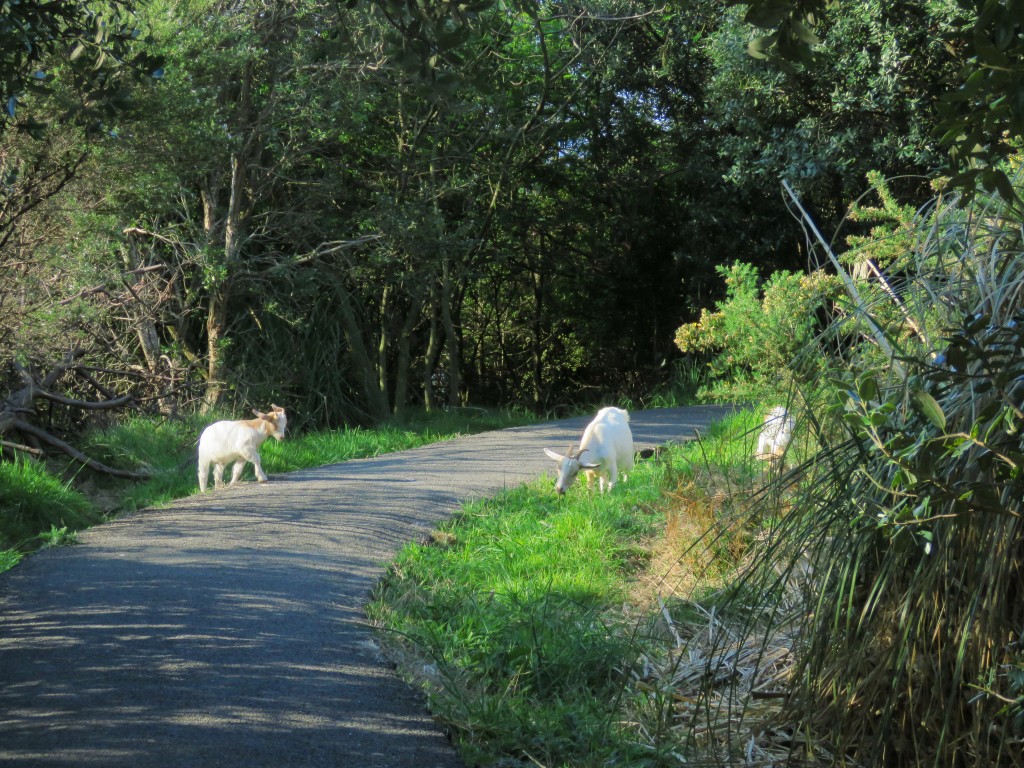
[757, 331]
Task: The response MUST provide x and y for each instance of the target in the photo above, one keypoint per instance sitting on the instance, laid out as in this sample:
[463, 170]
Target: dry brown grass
[717, 682]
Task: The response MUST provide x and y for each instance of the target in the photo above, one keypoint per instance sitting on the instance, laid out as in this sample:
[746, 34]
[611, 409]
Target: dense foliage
[757, 331]
[893, 567]
[353, 209]
[980, 105]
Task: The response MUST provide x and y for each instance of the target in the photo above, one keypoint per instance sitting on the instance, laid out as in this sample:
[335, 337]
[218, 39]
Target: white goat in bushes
[606, 449]
[238, 441]
[776, 435]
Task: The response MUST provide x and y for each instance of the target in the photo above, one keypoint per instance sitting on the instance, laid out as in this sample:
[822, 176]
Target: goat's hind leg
[236, 471]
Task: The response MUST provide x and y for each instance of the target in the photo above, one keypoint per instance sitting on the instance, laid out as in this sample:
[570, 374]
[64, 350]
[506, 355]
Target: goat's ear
[276, 408]
[553, 455]
[589, 466]
[258, 414]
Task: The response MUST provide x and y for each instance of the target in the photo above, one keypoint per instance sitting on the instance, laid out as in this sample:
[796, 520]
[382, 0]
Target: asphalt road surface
[228, 629]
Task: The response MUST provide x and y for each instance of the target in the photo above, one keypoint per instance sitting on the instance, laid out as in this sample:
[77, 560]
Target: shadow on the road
[223, 653]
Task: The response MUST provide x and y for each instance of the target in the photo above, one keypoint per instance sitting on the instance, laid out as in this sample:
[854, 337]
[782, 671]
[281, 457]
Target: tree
[981, 111]
[88, 49]
[869, 102]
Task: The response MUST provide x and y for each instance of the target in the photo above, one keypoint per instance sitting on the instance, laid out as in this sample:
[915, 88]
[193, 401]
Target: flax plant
[898, 574]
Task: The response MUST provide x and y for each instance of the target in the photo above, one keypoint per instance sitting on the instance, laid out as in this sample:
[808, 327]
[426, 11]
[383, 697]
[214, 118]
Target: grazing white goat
[606, 449]
[776, 435]
[238, 442]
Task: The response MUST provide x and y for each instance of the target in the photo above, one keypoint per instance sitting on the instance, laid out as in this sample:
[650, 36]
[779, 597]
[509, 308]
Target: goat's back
[225, 440]
[609, 434]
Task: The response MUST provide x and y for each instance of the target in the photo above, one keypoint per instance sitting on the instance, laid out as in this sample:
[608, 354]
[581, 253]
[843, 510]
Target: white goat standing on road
[238, 441]
[776, 435]
[608, 445]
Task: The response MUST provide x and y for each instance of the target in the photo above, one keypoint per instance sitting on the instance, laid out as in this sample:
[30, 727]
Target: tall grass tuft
[898, 575]
[31, 501]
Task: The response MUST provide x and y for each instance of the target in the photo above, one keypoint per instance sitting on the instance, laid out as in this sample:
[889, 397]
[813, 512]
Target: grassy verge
[35, 505]
[37, 510]
[512, 618]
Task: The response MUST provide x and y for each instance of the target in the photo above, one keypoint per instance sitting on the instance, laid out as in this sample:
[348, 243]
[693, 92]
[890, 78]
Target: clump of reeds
[881, 619]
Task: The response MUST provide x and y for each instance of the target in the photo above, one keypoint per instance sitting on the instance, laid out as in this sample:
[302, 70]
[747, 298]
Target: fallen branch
[74, 453]
[20, 447]
[18, 409]
[99, 405]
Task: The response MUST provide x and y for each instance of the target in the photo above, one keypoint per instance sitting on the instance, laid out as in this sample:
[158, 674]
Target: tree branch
[101, 405]
[74, 453]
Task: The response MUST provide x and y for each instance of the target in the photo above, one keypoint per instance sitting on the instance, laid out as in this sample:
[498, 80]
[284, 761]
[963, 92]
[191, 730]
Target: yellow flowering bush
[757, 333]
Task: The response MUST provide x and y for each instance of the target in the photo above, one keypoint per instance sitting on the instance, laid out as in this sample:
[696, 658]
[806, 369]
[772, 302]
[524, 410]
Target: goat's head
[276, 420]
[569, 467]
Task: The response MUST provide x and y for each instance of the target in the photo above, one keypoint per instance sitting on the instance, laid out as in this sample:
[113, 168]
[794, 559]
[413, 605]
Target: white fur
[238, 441]
[606, 449]
[776, 434]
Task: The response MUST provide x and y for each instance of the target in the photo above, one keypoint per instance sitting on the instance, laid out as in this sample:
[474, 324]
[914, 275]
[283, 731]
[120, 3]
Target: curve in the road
[227, 629]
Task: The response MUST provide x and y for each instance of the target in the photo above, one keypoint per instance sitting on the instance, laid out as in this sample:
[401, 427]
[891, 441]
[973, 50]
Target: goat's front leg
[257, 467]
[613, 476]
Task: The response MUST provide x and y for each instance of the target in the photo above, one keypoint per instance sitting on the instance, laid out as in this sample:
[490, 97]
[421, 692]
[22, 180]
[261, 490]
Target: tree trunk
[536, 340]
[404, 359]
[217, 312]
[216, 321]
[384, 340]
[376, 398]
[433, 349]
[451, 338]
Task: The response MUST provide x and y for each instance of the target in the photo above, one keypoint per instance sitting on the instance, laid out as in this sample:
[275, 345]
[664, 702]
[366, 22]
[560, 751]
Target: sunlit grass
[511, 618]
[33, 501]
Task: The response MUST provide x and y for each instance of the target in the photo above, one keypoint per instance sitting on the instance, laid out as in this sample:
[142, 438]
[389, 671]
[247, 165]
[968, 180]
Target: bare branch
[103, 289]
[77, 455]
[101, 405]
[62, 367]
[20, 447]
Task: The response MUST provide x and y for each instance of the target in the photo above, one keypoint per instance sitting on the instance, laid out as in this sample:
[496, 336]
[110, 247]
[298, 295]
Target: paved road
[227, 629]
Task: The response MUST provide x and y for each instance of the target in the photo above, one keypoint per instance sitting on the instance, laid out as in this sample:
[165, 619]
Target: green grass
[319, 448]
[32, 502]
[511, 619]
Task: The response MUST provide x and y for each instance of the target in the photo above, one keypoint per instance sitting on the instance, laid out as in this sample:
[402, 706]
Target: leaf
[758, 47]
[804, 33]
[929, 408]
[1004, 186]
[867, 388]
[77, 50]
